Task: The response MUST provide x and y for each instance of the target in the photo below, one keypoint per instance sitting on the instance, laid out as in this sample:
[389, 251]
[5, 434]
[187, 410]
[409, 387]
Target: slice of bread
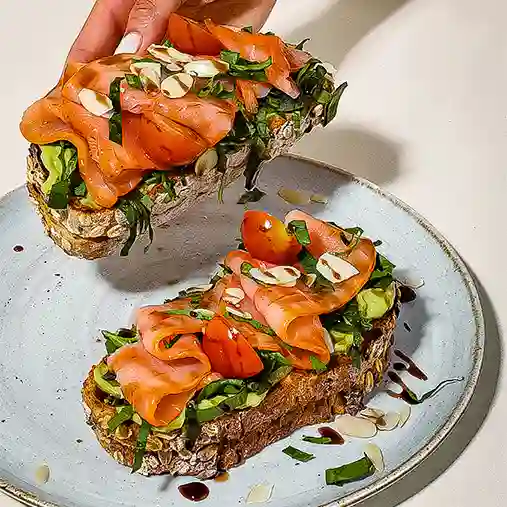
[91, 234]
[300, 399]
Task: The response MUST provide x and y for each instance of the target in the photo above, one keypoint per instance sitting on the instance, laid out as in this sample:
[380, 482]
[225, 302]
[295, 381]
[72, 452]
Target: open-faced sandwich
[125, 142]
[295, 327]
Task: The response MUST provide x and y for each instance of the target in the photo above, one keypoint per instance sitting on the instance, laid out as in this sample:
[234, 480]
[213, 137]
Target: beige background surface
[425, 116]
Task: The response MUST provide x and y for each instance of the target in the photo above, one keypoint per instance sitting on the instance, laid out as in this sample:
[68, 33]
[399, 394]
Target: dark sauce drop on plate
[404, 395]
[412, 368]
[194, 491]
[407, 294]
[335, 437]
[18, 248]
[222, 477]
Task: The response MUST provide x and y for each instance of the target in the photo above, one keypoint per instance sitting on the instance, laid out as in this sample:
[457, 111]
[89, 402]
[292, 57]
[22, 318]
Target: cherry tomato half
[228, 350]
[266, 238]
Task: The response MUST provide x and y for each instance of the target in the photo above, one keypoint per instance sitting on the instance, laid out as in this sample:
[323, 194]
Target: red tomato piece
[228, 350]
[266, 238]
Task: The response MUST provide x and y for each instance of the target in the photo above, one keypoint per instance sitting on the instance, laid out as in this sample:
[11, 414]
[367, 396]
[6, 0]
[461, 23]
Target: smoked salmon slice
[160, 390]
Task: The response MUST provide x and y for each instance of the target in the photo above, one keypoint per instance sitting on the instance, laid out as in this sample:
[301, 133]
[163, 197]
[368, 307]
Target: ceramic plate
[53, 306]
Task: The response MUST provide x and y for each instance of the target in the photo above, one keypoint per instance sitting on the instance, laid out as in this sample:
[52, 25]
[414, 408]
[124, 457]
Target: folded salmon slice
[258, 48]
[160, 390]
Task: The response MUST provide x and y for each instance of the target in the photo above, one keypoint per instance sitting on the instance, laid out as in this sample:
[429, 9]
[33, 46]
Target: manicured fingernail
[129, 44]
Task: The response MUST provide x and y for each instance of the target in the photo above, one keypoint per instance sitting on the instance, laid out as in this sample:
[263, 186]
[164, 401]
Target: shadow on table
[343, 26]
[470, 424]
[355, 149]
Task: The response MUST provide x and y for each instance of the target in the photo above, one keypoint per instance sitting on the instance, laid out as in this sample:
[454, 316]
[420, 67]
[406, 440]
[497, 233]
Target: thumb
[147, 24]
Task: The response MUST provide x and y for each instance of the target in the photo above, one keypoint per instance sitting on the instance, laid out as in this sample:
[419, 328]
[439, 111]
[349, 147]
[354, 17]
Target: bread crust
[300, 399]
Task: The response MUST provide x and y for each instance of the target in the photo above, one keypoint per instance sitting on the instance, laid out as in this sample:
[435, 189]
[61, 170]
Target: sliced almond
[372, 413]
[96, 103]
[239, 313]
[355, 426]
[235, 292]
[335, 268]
[42, 474]
[309, 279]
[388, 422]
[375, 454]
[328, 340]
[260, 493]
[404, 415]
[204, 313]
[205, 68]
[285, 276]
[136, 67]
[199, 288]
[321, 199]
[295, 197]
[177, 85]
[168, 55]
[206, 162]
[150, 78]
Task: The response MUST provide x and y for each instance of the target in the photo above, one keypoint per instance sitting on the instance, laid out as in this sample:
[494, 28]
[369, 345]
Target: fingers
[146, 24]
[230, 12]
[102, 31]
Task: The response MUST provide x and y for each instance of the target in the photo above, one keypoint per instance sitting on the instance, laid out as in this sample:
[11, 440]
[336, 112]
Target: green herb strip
[351, 472]
[254, 323]
[298, 454]
[115, 125]
[218, 387]
[317, 364]
[134, 81]
[137, 210]
[317, 440]
[299, 230]
[124, 415]
[169, 344]
[142, 439]
[332, 105]
[122, 337]
[194, 313]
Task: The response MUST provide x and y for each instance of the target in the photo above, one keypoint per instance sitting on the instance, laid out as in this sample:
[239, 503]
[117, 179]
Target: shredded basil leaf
[218, 387]
[198, 313]
[298, 228]
[246, 268]
[248, 29]
[317, 440]
[302, 43]
[317, 364]
[332, 105]
[122, 337]
[169, 344]
[382, 275]
[298, 454]
[142, 439]
[134, 81]
[168, 44]
[124, 415]
[355, 471]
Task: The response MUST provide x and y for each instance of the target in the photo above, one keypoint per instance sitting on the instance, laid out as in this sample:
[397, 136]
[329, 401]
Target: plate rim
[32, 500]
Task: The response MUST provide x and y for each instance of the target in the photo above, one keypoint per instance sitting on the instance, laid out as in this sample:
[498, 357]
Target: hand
[130, 26]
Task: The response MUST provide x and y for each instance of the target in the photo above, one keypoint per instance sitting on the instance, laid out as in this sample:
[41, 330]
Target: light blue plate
[52, 307]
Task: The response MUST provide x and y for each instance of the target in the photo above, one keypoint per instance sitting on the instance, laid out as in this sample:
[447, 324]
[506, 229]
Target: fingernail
[129, 44]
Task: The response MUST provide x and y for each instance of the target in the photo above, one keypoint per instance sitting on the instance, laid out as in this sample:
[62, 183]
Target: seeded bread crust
[92, 234]
[300, 399]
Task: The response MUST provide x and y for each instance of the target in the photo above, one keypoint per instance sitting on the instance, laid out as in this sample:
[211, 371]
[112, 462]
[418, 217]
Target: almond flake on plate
[404, 415]
[42, 474]
[260, 493]
[389, 421]
[375, 454]
[354, 426]
[295, 197]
